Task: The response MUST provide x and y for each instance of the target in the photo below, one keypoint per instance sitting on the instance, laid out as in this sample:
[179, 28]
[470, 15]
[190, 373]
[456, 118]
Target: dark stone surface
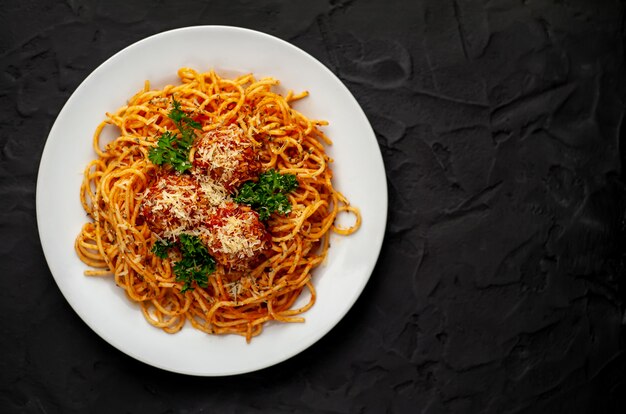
[501, 284]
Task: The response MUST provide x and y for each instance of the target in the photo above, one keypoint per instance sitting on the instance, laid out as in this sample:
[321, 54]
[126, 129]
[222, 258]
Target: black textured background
[501, 285]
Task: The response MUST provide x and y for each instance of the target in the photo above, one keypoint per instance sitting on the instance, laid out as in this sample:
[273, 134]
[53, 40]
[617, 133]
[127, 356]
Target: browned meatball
[174, 203]
[227, 156]
[236, 238]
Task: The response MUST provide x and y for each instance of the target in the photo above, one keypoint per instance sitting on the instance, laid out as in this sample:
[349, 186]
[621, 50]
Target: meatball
[236, 238]
[174, 203]
[227, 156]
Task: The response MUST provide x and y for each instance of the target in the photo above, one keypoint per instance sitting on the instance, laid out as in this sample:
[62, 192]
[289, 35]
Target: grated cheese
[215, 193]
[220, 156]
[177, 207]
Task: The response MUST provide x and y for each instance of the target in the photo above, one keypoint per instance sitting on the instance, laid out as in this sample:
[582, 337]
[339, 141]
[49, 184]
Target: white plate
[359, 174]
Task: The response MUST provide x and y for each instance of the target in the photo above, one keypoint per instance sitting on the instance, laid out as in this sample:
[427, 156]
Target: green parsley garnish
[269, 193]
[196, 264]
[179, 117]
[160, 249]
[174, 149]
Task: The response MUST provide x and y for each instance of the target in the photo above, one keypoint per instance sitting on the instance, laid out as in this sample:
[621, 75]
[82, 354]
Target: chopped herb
[174, 149]
[179, 116]
[171, 150]
[196, 264]
[269, 193]
[160, 248]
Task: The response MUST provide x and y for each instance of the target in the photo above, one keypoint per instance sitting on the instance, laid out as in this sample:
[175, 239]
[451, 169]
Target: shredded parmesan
[233, 238]
[215, 193]
[224, 152]
[176, 206]
[227, 155]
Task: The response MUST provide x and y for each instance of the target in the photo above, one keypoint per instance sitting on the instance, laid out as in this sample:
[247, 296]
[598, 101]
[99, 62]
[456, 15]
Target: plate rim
[45, 160]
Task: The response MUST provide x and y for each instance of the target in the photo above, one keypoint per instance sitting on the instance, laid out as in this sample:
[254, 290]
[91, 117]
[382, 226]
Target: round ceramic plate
[358, 171]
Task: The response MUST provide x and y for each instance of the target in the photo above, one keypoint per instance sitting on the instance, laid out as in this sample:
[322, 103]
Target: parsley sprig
[269, 193]
[160, 248]
[195, 265]
[174, 149]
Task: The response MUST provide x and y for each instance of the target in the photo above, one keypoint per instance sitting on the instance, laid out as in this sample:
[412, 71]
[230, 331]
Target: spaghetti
[262, 267]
